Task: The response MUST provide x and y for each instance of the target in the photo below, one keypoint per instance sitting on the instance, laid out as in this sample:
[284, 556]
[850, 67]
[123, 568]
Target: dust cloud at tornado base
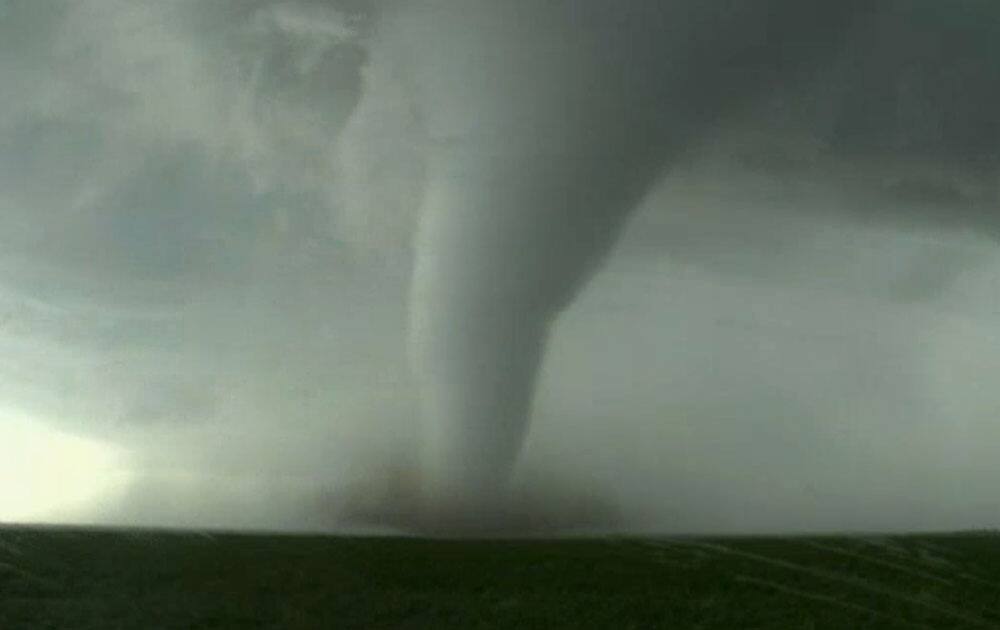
[759, 352]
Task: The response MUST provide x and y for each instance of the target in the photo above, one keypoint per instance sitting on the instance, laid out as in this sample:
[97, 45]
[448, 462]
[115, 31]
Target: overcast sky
[196, 330]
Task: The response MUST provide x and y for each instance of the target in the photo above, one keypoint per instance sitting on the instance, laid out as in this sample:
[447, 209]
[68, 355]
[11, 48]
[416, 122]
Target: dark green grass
[79, 578]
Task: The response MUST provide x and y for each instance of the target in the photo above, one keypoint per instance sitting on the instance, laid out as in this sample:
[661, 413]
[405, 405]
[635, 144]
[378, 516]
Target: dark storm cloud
[193, 266]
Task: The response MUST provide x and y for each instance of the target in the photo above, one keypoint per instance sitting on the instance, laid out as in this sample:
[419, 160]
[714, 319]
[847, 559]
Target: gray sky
[200, 325]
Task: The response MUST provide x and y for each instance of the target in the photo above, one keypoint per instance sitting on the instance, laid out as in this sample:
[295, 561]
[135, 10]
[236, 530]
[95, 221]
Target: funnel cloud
[545, 134]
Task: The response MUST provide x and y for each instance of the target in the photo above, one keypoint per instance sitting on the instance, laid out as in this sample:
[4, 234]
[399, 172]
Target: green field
[106, 579]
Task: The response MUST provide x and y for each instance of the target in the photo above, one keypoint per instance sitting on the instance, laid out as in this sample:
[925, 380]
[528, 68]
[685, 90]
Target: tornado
[547, 123]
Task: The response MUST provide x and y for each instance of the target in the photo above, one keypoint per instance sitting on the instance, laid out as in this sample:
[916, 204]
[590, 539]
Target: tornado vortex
[548, 122]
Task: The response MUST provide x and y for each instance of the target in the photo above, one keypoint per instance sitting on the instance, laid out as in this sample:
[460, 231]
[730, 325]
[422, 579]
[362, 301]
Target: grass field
[106, 579]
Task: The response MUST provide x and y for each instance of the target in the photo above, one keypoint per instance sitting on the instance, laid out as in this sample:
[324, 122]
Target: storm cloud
[759, 305]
